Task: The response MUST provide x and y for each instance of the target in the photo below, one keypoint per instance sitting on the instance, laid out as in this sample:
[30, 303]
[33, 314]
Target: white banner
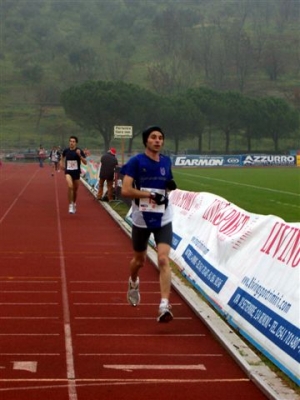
[247, 266]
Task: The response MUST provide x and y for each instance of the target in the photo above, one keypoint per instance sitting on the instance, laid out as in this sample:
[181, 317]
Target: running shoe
[133, 294]
[164, 314]
[74, 208]
[71, 209]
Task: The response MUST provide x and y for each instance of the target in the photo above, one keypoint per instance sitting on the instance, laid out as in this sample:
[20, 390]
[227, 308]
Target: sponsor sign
[232, 161]
[247, 266]
[235, 160]
[198, 161]
[257, 160]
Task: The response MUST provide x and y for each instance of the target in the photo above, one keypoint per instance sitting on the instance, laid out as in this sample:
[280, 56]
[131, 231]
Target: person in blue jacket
[147, 180]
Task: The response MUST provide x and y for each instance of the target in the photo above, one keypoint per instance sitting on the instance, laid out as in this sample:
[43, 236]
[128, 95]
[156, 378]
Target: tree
[252, 119]
[180, 117]
[99, 106]
[227, 108]
[280, 119]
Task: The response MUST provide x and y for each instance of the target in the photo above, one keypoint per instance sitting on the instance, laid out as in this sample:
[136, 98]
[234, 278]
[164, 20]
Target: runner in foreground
[147, 179]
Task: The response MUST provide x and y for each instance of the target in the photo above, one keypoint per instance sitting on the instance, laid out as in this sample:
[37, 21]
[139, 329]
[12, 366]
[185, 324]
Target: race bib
[72, 165]
[149, 205]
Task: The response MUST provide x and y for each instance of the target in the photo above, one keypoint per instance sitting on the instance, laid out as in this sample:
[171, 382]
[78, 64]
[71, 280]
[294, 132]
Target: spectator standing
[70, 163]
[41, 156]
[147, 180]
[107, 173]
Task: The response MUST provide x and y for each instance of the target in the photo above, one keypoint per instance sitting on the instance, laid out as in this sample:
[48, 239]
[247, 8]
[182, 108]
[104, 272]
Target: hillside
[165, 46]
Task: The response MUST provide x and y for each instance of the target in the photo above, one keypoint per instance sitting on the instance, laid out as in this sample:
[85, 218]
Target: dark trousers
[109, 189]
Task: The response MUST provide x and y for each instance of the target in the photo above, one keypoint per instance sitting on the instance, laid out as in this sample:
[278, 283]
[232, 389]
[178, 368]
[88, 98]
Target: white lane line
[107, 292]
[119, 304]
[130, 318]
[30, 354]
[29, 334]
[29, 318]
[28, 304]
[181, 335]
[241, 184]
[30, 366]
[12, 280]
[126, 380]
[29, 291]
[112, 282]
[17, 198]
[66, 310]
[108, 382]
[171, 355]
[149, 366]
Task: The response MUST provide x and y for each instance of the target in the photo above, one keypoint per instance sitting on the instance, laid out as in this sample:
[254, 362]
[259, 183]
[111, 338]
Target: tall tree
[99, 106]
[280, 119]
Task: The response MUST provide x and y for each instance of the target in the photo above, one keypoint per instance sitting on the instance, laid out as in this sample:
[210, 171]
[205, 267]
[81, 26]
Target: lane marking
[130, 318]
[25, 318]
[119, 304]
[110, 282]
[183, 335]
[30, 366]
[240, 184]
[10, 279]
[29, 291]
[30, 354]
[29, 334]
[147, 355]
[107, 292]
[28, 304]
[17, 198]
[63, 383]
[66, 310]
[158, 366]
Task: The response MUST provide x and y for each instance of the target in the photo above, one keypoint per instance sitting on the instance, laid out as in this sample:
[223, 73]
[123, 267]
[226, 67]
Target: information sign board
[122, 132]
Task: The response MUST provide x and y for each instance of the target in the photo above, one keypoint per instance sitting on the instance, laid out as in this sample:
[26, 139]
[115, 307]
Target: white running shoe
[71, 208]
[133, 294]
[164, 313]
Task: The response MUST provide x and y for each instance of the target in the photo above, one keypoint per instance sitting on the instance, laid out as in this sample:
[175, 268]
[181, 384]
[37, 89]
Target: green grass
[262, 191]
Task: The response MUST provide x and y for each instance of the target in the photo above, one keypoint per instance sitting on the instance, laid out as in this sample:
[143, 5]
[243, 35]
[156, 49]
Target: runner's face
[72, 143]
[155, 141]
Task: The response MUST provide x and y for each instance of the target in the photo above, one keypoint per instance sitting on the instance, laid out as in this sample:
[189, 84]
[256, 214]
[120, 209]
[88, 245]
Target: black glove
[171, 185]
[159, 199]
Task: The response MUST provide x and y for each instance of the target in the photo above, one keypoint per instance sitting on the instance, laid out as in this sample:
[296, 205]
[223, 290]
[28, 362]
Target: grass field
[266, 190]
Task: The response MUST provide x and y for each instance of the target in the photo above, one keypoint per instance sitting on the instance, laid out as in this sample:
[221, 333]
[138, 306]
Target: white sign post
[122, 132]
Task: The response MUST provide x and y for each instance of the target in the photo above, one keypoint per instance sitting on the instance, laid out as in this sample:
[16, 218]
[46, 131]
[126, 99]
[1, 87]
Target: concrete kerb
[268, 382]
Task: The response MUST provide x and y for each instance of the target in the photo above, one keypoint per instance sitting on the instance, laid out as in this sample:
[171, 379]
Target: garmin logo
[199, 161]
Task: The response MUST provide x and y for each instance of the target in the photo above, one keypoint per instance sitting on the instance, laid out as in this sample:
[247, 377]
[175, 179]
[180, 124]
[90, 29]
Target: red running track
[67, 332]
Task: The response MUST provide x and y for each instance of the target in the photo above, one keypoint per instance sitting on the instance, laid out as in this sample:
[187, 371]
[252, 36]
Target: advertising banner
[90, 172]
[247, 266]
[206, 161]
[234, 160]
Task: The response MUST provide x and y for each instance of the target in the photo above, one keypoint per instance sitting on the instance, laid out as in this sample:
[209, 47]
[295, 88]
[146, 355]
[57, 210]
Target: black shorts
[140, 236]
[75, 175]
